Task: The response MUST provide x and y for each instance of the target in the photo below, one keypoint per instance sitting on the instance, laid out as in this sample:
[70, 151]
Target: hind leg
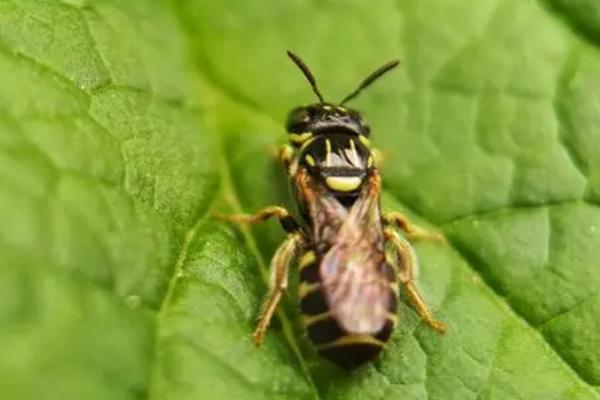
[407, 263]
[277, 284]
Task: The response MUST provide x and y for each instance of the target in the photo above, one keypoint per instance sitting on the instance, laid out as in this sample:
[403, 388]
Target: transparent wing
[353, 270]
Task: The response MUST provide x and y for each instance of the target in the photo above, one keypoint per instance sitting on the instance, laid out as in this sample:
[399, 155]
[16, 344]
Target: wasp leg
[287, 221]
[407, 262]
[277, 284]
[285, 155]
[412, 231]
[379, 157]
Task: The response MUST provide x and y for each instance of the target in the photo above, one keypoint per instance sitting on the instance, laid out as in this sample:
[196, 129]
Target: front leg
[284, 154]
[277, 283]
[407, 263]
[287, 221]
[278, 280]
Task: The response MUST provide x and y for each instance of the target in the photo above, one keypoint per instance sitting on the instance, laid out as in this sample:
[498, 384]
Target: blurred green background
[123, 123]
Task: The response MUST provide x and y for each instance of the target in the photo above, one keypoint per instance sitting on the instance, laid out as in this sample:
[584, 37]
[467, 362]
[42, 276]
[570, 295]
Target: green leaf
[123, 123]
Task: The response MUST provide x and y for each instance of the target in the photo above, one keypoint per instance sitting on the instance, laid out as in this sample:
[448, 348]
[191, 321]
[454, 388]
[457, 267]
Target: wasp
[351, 258]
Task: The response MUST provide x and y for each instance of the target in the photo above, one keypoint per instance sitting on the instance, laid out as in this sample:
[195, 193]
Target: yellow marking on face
[364, 140]
[354, 153]
[310, 160]
[327, 108]
[307, 143]
[343, 183]
[394, 288]
[304, 289]
[286, 153]
[328, 152]
[378, 157]
[311, 319]
[308, 258]
[350, 340]
[341, 109]
[370, 161]
[300, 137]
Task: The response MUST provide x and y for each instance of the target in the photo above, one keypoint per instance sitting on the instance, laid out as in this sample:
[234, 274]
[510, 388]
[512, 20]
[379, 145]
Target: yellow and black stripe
[352, 351]
[343, 348]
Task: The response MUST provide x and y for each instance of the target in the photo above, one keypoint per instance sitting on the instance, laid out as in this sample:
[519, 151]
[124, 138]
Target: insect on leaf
[123, 123]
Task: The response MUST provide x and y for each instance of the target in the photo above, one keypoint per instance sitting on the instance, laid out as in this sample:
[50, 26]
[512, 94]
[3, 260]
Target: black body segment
[387, 330]
[351, 356]
[325, 330]
[314, 303]
[310, 274]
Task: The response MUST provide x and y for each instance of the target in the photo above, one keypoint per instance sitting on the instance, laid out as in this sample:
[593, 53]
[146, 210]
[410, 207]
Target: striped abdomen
[345, 347]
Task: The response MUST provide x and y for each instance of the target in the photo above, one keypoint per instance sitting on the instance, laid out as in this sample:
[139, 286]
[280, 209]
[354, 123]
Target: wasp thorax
[339, 160]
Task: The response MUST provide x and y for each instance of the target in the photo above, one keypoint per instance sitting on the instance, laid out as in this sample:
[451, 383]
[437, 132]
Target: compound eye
[302, 115]
[298, 119]
[366, 129]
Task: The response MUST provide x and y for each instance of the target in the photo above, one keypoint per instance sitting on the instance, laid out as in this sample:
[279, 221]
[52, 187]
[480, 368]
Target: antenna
[369, 79]
[306, 71]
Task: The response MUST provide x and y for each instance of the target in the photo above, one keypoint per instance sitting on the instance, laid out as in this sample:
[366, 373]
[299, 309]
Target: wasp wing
[354, 274]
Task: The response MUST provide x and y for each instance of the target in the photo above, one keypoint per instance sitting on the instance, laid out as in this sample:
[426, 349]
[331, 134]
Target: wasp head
[321, 118]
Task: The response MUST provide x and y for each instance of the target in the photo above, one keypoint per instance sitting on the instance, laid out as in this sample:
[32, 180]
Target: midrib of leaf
[232, 199]
[177, 273]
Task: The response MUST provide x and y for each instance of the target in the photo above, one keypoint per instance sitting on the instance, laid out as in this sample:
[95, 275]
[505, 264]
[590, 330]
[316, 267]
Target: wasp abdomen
[339, 345]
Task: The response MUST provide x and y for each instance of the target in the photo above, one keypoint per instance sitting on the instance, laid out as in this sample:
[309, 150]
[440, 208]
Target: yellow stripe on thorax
[356, 158]
[328, 152]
